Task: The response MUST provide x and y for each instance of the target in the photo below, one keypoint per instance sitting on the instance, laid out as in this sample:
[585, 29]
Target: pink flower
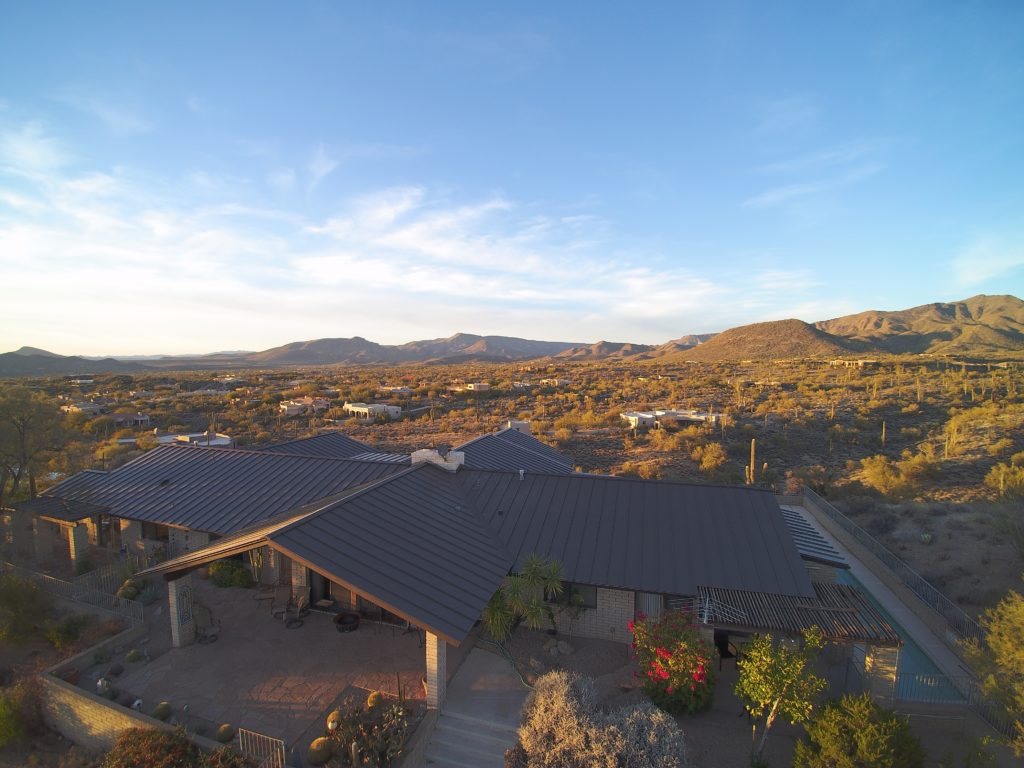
[670, 690]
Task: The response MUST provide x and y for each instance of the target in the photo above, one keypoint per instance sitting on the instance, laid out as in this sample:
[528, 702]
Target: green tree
[30, 427]
[854, 732]
[776, 679]
[524, 596]
[1001, 665]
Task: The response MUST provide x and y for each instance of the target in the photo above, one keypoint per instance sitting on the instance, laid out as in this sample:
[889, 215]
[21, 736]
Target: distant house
[373, 410]
[87, 407]
[400, 391]
[477, 386]
[667, 418]
[129, 420]
[840, 363]
[555, 382]
[291, 408]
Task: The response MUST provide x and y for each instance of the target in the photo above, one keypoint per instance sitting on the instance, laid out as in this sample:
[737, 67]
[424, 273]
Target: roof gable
[329, 445]
[511, 450]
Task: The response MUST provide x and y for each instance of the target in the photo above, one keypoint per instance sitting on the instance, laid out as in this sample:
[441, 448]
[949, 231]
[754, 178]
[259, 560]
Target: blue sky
[191, 177]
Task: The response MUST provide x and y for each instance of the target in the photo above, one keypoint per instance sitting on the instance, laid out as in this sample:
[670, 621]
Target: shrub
[224, 757]
[225, 733]
[320, 751]
[12, 724]
[24, 608]
[152, 748]
[230, 573]
[63, 634]
[162, 711]
[378, 733]
[133, 655]
[854, 731]
[149, 595]
[562, 728]
[674, 661]
[127, 592]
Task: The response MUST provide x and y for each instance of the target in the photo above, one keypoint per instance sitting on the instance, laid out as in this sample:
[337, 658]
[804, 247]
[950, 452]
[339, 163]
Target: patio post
[437, 657]
[45, 536]
[880, 670]
[179, 599]
[131, 536]
[78, 544]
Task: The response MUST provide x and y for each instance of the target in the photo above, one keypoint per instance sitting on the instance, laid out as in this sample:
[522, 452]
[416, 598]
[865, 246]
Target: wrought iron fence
[266, 751]
[132, 610]
[962, 626]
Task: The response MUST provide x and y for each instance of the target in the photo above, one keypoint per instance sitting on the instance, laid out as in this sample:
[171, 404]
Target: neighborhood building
[129, 420]
[668, 418]
[373, 411]
[427, 538]
[87, 407]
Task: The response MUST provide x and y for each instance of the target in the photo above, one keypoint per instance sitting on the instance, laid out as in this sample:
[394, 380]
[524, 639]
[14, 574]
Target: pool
[918, 678]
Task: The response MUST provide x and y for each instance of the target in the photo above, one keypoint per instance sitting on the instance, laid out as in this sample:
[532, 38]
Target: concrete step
[465, 742]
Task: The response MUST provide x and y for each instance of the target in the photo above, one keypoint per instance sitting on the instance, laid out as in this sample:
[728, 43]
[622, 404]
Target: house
[289, 408]
[477, 386]
[373, 410]
[399, 391]
[129, 420]
[667, 418]
[87, 407]
[428, 537]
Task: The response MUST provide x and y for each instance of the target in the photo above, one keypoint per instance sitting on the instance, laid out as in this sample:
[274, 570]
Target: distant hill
[980, 325]
[778, 339]
[683, 342]
[605, 350]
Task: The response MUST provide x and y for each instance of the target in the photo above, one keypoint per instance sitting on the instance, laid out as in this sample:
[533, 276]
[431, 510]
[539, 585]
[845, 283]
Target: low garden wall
[87, 719]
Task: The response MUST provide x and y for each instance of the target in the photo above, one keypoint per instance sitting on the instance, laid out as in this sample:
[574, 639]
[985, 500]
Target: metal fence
[960, 625]
[265, 751]
[132, 610]
[110, 577]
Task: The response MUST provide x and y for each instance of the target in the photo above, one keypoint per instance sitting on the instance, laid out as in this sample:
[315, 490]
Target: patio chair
[293, 618]
[207, 628]
[280, 602]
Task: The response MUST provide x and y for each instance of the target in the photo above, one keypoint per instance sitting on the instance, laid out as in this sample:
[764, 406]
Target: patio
[264, 677]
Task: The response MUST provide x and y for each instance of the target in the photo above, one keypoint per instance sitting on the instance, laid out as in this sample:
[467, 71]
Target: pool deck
[934, 647]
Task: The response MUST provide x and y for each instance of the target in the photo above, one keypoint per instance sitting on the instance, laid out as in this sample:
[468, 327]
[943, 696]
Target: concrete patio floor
[264, 677]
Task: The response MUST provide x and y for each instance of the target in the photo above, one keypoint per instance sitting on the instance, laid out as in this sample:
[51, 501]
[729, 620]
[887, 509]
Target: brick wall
[615, 607]
[88, 720]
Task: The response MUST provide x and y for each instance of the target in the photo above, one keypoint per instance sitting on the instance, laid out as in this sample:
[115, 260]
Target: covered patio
[262, 676]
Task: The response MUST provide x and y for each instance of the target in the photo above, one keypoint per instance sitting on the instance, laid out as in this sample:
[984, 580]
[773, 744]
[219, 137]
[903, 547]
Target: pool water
[919, 679]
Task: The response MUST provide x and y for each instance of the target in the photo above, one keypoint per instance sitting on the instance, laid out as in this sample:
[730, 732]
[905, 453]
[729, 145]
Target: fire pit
[346, 622]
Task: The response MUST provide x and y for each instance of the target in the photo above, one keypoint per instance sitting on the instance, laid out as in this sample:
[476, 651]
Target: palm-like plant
[524, 596]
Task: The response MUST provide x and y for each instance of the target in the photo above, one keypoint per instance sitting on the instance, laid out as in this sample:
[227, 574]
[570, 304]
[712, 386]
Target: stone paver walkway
[264, 677]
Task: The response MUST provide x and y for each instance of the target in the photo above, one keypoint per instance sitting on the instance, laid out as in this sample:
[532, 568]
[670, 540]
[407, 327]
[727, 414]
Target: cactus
[373, 700]
[883, 435]
[320, 751]
[133, 655]
[752, 466]
[225, 733]
[334, 720]
[162, 711]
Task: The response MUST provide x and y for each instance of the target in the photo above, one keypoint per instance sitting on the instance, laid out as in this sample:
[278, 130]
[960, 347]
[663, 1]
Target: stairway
[464, 741]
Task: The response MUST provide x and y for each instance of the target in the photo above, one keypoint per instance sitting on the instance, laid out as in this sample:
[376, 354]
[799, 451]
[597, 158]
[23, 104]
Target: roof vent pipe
[522, 473]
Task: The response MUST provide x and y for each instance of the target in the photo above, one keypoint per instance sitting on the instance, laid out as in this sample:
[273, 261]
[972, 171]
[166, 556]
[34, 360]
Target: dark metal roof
[214, 489]
[409, 543]
[843, 613]
[391, 458]
[512, 450]
[66, 510]
[809, 541]
[652, 536]
[329, 445]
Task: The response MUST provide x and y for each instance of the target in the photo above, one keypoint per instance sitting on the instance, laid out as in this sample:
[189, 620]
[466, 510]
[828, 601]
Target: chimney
[450, 462]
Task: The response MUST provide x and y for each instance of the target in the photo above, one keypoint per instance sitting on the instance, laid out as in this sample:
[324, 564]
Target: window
[582, 595]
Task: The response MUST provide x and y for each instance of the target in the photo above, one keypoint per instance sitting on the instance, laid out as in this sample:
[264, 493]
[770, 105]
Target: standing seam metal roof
[651, 536]
[329, 445]
[509, 450]
[217, 490]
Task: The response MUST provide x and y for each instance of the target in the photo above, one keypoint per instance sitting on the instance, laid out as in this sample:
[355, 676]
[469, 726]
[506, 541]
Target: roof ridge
[360, 492]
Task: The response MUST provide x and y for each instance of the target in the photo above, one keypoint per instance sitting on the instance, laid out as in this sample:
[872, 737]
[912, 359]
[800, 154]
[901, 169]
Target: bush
[674, 661]
[12, 724]
[378, 732]
[24, 608]
[133, 655]
[152, 748]
[230, 573]
[63, 634]
[562, 728]
[225, 757]
[854, 732]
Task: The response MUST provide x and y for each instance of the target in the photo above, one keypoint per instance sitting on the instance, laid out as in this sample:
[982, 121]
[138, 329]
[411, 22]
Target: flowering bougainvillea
[675, 663]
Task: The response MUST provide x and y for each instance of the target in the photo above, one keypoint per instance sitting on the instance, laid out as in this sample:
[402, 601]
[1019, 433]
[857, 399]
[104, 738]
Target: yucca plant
[524, 596]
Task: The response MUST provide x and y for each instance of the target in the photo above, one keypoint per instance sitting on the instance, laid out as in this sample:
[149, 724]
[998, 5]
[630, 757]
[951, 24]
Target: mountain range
[985, 326]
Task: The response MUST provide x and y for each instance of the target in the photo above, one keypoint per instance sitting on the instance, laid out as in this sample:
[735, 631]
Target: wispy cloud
[118, 118]
[214, 251]
[784, 116]
[987, 258]
[321, 165]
